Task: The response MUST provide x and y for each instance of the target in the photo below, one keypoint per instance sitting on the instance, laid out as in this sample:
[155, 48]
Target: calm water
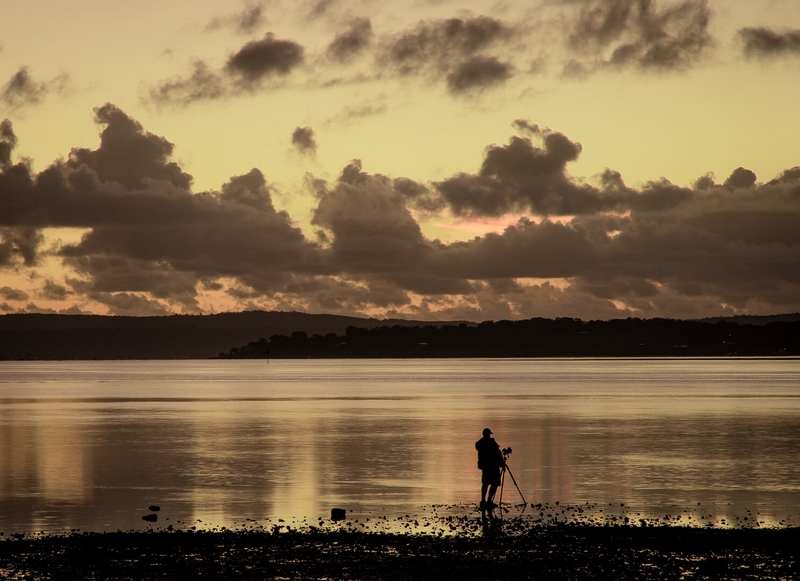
[90, 445]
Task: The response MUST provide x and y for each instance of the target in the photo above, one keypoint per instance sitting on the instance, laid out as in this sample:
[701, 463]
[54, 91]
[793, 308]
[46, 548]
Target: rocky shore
[468, 549]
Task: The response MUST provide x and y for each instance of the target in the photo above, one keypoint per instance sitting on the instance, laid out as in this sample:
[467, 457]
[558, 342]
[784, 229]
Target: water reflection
[92, 445]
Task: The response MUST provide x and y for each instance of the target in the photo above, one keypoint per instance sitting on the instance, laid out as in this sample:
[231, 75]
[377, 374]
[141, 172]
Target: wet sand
[456, 548]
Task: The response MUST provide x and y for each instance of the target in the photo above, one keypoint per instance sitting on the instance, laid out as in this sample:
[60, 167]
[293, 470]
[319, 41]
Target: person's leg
[492, 491]
[484, 488]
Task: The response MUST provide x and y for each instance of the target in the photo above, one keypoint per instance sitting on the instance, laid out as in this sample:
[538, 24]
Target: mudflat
[507, 550]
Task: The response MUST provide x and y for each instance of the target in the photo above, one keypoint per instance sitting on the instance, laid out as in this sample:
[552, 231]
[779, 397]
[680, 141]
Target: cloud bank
[468, 55]
[152, 245]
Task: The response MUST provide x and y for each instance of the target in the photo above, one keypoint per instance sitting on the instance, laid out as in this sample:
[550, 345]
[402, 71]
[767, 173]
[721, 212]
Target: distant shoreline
[276, 335]
[476, 358]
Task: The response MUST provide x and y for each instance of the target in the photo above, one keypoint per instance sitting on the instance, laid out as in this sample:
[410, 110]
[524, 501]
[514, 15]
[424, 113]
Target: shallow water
[90, 445]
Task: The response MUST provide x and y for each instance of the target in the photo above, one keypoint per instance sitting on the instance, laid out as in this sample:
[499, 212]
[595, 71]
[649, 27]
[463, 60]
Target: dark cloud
[478, 72]
[12, 294]
[741, 178]
[22, 90]
[705, 182]
[152, 246]
[767, 42]
[130, 304]
[19, 242]
[303, 140]
[251, 190]
[371, 227]
[645, 34]
[245, 70]
[526, 127]
[259, 59]
[527, 249]
[128, 154]
[8, 142]
[441, 40]
[352, 41]
[34, 308]
[105, 276]
[451, 49]
[418, 196]
[788, 176]
[202, 84]
[522, 177]
[54, 291]
[147, 230]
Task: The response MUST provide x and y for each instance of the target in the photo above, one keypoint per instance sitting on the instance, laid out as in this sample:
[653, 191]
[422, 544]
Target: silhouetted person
[490, 461]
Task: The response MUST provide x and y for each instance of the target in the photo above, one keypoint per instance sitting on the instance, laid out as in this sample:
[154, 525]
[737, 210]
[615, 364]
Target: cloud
[130, 304]
[478, 72]
[646, 35]
[54, 292]
[12, 294]
[33, 308]
[269, 56]
[251, 190]
[303, 140]
[246, 21]
[357, 111]
[787, 176]
[371, 227]
[451, 49]
[523, 250]
[523, 177]
[768, 43]
[352, 41]
[127, 154]
[202, 84]
[153, 246]
[22, 90]
[8, 142]
[245, 71]
[147, 232]
[320, 7]
[741, 178]
[19, 242]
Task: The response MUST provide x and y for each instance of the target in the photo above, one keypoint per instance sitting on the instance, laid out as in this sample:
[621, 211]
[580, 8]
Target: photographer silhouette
[490, 462]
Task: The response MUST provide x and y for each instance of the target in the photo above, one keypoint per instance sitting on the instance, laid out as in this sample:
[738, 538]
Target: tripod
[514, 480]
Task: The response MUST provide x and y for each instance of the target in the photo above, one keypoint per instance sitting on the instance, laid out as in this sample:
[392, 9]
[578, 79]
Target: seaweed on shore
[563, 551]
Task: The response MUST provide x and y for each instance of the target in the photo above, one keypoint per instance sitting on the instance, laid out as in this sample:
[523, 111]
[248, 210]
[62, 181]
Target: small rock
[153, 508]
[338, 514]
[150, 517]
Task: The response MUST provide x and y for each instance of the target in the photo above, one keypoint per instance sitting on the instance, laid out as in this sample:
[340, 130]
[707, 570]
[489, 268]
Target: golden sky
[425, 159]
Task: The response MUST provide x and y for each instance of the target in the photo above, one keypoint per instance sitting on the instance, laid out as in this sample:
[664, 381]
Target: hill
[47, 336]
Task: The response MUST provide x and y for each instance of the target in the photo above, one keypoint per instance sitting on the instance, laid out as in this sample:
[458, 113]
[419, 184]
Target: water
[90, 445]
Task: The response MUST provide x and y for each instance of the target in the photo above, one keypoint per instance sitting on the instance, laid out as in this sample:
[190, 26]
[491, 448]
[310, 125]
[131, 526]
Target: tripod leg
[502, 483]
[514, 480]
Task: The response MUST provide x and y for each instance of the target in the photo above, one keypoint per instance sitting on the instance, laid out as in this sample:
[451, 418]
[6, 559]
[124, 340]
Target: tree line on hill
[39, 336]
[562, 337]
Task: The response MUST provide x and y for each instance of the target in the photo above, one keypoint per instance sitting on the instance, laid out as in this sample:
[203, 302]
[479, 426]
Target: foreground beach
[505, 550]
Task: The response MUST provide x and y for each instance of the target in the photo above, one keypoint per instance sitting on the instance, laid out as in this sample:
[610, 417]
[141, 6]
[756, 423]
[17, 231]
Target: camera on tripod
[506, 452]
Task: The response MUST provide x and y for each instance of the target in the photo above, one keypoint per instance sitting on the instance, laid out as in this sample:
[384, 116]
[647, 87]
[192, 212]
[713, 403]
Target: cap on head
[487, 432]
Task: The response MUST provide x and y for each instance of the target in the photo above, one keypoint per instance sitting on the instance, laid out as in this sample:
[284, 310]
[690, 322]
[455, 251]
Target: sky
[423, 159]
